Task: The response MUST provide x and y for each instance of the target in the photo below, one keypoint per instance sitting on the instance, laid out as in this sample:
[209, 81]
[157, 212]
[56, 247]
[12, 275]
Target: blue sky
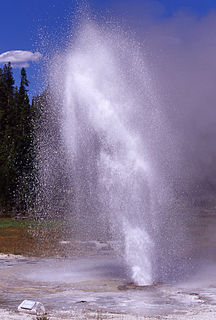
[36, 25]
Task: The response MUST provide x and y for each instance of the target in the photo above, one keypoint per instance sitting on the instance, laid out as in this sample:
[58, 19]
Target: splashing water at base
[114, 134]
[136, 238]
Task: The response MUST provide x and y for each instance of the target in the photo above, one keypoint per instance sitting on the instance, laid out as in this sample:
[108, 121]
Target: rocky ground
[103, 297]
[85, 288]
[203, 313]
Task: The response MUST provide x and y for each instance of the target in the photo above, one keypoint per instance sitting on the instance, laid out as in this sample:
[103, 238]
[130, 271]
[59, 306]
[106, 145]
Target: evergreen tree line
[17, 154]
[32, 162]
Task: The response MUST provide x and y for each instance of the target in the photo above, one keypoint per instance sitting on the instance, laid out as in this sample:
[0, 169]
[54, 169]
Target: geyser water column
[111, 125]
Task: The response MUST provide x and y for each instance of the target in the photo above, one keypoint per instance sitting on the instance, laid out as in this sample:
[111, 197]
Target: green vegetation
[12, 223]
[30, 223]
[17, 152]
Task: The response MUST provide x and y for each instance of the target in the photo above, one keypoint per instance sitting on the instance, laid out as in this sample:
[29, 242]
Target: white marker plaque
[27, 304]
[32, 307]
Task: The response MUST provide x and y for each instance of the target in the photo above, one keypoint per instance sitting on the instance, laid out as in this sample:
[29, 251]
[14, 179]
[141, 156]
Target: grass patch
[12, 223]
[24, 224]
[31, 237]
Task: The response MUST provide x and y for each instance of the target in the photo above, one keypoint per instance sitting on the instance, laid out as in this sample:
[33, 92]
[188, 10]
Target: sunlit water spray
[113, 132]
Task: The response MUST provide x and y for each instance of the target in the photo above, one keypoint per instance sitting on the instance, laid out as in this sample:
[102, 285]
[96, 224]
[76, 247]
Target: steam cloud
[181, 51]
[179, 54]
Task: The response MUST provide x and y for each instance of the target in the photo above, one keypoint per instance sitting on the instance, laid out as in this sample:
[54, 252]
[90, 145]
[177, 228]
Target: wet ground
[92, 283]
[99, 284]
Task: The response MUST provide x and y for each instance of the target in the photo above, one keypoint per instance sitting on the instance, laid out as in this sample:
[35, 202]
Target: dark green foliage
[16, 143]
[7, 161]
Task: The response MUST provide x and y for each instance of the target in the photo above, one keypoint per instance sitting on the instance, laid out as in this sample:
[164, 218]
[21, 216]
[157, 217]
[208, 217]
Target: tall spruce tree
[24, 144]
[16, 143]
[7, 155]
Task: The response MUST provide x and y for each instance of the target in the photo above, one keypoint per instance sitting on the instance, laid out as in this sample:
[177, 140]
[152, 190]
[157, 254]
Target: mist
[185, 67]
[155, 75]
[181, 50]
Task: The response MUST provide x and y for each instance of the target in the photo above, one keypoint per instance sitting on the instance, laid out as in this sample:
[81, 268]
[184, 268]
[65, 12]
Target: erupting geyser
[118, 150]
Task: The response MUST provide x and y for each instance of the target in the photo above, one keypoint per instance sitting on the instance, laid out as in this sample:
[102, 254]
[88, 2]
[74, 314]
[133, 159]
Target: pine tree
[7, 155]
[16, 143]
[24, 144]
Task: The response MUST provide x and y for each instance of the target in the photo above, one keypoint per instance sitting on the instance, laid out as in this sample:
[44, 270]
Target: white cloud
[20, 58]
